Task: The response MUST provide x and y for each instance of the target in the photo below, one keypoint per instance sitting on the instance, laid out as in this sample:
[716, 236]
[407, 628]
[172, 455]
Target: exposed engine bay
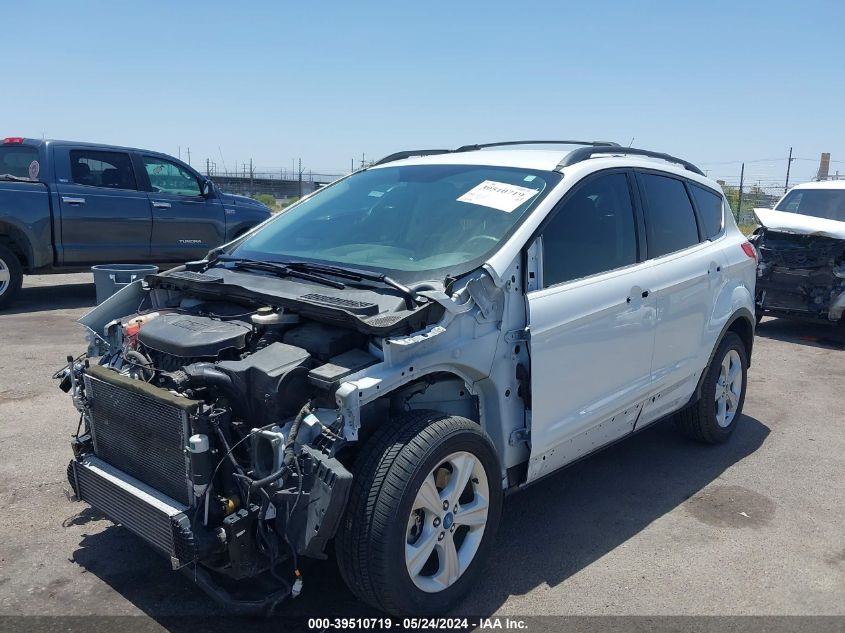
[800, 275]
[219, 413]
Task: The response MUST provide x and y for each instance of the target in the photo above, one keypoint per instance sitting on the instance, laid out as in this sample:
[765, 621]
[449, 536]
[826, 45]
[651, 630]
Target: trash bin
[109, 278]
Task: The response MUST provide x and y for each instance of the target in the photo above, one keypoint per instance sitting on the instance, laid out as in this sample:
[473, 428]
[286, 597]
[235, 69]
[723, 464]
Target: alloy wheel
[728, 388]
[5, 277]
[447, 522]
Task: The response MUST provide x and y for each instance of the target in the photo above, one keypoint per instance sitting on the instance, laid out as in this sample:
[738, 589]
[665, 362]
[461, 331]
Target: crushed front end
[209, 428]
[800, 275]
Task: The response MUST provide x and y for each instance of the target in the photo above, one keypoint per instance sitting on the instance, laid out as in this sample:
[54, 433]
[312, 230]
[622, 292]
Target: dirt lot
[655, 525]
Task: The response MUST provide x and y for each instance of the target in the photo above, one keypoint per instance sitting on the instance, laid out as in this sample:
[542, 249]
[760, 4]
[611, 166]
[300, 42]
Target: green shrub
[266, 199]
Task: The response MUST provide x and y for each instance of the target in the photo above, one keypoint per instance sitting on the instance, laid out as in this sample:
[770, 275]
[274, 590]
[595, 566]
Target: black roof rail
[411, 152]
[471, 148]
[585, 153]
[477, 146]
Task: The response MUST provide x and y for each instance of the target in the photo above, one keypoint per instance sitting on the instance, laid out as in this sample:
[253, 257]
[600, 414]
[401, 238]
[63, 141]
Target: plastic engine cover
[193, 336]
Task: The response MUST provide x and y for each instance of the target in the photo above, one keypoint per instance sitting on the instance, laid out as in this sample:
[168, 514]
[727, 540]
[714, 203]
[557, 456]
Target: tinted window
[709, 210]
[15, 160]
[102, 169]
[820, 203]
[167, 177]
[670, 220]
[592, 232]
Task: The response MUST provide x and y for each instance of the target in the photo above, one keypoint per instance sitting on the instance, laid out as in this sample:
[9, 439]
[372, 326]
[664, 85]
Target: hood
[800, 224]
[242, 201]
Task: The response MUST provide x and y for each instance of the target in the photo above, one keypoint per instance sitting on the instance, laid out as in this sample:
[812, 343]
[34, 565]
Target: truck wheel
[713, 417]
[422, 514]
[11, 276]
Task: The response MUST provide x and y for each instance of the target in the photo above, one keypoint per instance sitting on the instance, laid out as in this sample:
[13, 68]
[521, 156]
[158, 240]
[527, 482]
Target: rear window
[17, 160]
[102, 169]
[709, 210]
[819, 203]
[670, 219]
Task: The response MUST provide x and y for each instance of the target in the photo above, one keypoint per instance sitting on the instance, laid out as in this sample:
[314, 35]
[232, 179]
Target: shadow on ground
[548, 533]
[58, 297]
[826, 335]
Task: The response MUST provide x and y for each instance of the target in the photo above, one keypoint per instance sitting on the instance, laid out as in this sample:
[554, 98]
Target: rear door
[104, 217]
[686, 276]
[591, 323]
[186, 224]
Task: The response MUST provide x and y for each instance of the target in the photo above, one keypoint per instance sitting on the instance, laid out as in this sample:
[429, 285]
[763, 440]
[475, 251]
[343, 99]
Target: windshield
[819, 203]
[415, 222]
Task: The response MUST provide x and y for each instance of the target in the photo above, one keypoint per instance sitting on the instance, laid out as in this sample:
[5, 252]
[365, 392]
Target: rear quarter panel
[25, 217]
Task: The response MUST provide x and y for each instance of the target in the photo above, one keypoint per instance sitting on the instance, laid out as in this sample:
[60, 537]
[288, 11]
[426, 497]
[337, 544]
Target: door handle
[71, 200]
[161, 205]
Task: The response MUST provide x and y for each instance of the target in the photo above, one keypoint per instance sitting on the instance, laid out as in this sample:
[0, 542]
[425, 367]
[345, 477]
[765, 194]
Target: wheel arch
[741, 323]
[444, 391]
[18, 242]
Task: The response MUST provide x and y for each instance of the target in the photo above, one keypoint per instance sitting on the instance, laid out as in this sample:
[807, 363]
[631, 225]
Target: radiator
[141, 430]
[158, 520]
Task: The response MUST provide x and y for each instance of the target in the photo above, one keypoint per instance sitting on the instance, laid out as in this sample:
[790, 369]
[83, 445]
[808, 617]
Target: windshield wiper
[283, 270]
[355, 274]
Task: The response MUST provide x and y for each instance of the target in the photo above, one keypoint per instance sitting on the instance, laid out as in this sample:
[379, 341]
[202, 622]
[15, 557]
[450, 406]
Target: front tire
[11, 276]
[714, 416]
[422, 514]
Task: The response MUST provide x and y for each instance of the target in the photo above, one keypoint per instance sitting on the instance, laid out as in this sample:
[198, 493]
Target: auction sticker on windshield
[498, 195]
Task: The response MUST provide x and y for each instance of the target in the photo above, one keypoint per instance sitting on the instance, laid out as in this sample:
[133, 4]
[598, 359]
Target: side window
[709, 210]
[592, 232]
[168, 177]
[102, 169]
[20, 161]
[669, 218]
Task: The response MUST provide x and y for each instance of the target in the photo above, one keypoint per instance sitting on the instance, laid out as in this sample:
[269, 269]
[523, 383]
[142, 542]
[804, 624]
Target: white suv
[401, 348]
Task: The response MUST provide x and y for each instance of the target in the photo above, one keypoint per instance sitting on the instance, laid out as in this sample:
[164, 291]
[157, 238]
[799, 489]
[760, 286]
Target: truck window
[102, 169]
[168, 177]
[15, 160]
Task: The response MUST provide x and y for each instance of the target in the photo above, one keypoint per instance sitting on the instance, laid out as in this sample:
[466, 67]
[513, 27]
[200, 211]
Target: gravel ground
[655, 525]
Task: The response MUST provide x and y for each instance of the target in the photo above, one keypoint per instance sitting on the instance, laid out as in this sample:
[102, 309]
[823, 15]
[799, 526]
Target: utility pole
[300, 177]
[788, 165]
[189, 155]
[250, 174]
[352, 165]
[362, 160]
[741, 182]
[207, 167]
[179, 151]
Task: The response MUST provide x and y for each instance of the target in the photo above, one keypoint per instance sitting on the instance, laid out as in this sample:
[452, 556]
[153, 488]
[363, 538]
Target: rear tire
[714, 416]
[11, 276]
[413, 541]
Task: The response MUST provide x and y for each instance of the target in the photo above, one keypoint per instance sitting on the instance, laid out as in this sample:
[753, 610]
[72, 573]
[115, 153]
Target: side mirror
[207, 188]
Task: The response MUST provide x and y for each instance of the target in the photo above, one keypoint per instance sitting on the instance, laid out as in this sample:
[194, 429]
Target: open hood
[801, 224]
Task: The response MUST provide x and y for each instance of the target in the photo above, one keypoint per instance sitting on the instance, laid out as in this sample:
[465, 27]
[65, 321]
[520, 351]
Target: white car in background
[801, 246]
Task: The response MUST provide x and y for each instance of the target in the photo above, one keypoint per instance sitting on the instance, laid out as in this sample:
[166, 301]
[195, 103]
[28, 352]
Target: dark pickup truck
[65, 206]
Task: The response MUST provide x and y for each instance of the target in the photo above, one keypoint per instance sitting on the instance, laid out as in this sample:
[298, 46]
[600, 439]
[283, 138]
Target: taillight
[749, 250]
[13, 140]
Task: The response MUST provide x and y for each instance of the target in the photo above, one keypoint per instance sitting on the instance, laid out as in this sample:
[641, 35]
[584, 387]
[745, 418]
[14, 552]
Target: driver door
[186, 224]
[592, 324]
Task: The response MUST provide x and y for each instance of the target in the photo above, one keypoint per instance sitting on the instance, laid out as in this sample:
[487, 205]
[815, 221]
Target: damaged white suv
[379, 363]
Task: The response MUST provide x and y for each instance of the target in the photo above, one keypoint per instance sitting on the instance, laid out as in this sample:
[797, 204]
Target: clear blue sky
[715, 82]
